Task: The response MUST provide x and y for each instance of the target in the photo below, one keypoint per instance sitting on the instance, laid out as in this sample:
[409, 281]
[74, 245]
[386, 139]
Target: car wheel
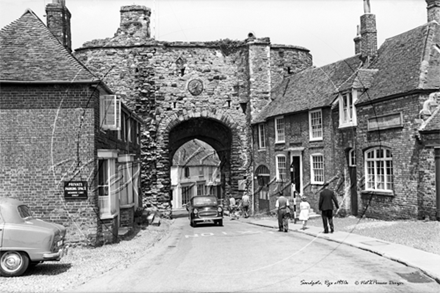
[13, 263]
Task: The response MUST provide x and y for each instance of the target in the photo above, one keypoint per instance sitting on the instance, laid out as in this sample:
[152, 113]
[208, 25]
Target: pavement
[428, 263]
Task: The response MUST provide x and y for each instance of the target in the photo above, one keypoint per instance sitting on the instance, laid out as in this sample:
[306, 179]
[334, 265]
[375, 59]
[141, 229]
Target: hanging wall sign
[75, 189]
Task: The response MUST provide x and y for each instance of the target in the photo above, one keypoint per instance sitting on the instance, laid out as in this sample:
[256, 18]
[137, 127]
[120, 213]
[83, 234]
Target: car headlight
[219, 209]
[196, 211]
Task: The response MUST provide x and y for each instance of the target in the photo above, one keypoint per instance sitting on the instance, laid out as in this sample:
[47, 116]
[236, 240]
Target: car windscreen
[204, 201]
[24, 211]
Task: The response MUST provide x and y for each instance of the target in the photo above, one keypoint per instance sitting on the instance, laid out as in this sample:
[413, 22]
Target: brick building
[368, 124]
[68, 147]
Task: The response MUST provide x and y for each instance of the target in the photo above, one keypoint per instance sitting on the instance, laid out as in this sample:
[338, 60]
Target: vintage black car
[205, 209]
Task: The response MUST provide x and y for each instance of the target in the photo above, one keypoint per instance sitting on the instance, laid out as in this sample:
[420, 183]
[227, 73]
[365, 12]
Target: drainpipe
[437, 179]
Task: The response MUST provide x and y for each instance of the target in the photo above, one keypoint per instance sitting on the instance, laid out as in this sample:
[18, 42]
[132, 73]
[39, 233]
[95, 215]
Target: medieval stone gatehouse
[186, 90]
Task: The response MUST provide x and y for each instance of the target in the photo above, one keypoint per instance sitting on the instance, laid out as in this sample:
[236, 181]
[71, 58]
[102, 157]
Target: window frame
[280, 132]
[379, 163]
[352, 158]
[110, 109]
[347, 106]
[278, 173]
[313, 173]
[311, 130]
[262, 136]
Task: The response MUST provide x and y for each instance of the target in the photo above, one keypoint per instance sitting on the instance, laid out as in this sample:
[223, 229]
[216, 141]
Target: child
[304, 208]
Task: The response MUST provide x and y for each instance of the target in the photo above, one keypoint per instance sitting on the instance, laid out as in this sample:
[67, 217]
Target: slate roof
[309, 89]
[406, 63]
[30, 52]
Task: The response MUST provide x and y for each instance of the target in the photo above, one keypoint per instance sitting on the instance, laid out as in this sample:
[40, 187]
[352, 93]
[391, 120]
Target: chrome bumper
[56, 255]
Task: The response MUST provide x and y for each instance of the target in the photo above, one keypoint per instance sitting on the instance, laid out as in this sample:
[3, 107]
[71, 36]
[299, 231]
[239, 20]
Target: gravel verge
[85, 263]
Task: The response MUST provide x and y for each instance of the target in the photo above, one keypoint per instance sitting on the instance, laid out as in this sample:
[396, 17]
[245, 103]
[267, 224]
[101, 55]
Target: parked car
[205, 209]
[26, 241]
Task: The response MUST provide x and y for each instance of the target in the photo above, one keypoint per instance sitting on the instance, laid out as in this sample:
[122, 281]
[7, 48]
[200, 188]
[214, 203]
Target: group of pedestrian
[327, 203]
[242, 206]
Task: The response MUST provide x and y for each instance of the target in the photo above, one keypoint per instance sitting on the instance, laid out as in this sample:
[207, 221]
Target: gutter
[38, 82]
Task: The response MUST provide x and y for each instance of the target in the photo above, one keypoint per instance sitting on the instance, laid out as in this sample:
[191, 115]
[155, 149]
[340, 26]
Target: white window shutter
[110, 112]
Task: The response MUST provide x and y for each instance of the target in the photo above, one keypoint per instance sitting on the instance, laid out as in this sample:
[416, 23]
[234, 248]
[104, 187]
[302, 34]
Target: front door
[296, 161]
[353, 191]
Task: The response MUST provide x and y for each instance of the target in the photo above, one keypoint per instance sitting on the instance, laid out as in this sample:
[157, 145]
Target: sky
[325, 27]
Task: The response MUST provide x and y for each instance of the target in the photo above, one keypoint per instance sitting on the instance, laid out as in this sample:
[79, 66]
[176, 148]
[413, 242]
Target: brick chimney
[433, 10]
[357, 42]
[135, 21]
[368, 32]
[58, 22]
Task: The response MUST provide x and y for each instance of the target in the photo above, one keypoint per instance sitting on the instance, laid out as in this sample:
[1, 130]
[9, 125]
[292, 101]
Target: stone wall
[152, 78]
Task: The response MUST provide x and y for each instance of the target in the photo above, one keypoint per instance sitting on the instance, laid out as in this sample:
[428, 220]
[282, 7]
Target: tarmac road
[242, 257]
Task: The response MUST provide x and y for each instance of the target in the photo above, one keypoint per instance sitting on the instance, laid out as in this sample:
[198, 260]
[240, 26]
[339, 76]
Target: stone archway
[213, 132]
[215, 127]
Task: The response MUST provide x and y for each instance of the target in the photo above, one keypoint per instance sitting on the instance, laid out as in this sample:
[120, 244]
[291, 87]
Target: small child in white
[304, 208]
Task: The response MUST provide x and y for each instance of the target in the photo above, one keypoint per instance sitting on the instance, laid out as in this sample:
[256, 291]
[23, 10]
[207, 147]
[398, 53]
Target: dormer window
[347, 110]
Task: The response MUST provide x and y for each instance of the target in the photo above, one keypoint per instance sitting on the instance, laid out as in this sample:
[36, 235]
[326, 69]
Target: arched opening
[192, 136]
[195, 170]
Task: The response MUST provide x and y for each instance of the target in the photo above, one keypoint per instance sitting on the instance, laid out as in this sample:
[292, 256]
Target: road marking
[225, 233]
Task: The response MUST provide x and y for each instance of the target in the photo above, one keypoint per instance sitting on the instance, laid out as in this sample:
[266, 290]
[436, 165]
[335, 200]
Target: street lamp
[292, 190]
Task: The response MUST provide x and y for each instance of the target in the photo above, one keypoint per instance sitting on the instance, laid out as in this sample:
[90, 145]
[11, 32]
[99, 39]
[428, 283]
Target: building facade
[69, 148]
[362, 125]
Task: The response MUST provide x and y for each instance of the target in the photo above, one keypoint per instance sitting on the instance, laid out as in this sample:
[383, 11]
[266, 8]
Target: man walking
[282, 206]
[245, 202]
[326, 199]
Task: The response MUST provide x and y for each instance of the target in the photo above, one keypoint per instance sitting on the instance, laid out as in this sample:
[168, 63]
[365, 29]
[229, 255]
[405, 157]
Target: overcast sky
[325, 27]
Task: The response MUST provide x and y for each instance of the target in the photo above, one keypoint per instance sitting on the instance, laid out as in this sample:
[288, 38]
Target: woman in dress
[304, 208]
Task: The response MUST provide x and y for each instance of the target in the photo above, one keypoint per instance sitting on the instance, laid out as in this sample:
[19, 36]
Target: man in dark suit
[326, 199]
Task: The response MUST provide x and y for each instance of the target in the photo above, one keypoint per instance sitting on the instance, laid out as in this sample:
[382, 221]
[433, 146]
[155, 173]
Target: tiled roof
[30, 52]
[196, 153]
[407, 62]
[309, 89]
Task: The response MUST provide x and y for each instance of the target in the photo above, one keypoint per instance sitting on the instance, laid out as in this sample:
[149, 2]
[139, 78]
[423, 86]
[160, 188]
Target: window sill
[377, 193]
[316, 139]
[280, 142]
[126, 206]
[348, 125]
[107, 216]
